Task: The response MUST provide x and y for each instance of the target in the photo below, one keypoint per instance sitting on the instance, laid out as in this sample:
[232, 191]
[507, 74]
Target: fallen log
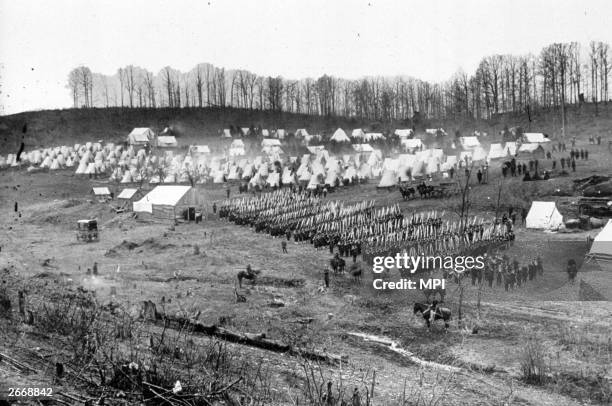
[254, 340]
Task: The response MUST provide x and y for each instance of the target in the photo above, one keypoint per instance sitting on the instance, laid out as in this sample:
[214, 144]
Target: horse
[337, 264]
[425, 190]
[407, 192]
[246, 275]
[442, 313]
[356, 273]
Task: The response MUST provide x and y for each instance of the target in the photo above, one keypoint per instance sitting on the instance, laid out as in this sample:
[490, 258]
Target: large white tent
[544, 216]
[164, 199]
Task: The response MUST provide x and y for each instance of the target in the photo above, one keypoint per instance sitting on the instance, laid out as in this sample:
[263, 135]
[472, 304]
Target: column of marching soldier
[360, 228]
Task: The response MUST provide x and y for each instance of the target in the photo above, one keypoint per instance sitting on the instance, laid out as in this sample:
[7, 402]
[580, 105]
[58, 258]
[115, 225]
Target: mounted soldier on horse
[249, 274]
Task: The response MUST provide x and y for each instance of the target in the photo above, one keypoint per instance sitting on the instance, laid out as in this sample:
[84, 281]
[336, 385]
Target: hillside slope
[60, 127]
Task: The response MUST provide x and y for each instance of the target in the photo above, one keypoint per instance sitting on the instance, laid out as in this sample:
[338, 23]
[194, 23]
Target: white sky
[40, 41]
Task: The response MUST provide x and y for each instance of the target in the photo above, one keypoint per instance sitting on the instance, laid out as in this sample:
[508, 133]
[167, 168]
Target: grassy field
[536, 345]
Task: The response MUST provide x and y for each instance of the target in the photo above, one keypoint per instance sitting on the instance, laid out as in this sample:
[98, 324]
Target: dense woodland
[562, 73]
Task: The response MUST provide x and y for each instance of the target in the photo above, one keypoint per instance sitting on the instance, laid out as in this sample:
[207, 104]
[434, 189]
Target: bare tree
[73, 85]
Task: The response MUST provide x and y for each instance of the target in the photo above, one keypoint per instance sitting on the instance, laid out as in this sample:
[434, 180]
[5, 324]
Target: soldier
[284, 246]
[326, 276]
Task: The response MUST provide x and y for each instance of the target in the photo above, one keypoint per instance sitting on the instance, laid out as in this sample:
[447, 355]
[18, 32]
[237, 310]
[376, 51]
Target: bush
[533, 362]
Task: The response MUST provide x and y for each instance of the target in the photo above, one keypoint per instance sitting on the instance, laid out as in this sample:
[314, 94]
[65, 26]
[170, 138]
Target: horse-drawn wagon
[87, 230]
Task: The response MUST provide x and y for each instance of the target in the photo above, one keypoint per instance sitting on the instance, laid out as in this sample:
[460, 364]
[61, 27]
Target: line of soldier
[499, 269]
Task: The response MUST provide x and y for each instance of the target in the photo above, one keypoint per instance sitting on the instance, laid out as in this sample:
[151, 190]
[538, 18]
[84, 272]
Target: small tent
[270, 142]
[496, 151]
[199, 149]
[166, 141]
[273, 179]
[601, 249]
[363, 148]
[535, 137]
[301, 133]
[373, 136]
[127, 194]
[404, 133]
[469, 142]
[534, 150]
[340, 136]
[544, 216]
[141, 136]
[412, 143]
[358, 133]
[388, 179]
[101, 193]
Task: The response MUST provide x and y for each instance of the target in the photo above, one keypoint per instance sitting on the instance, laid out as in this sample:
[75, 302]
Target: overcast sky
[41, 41]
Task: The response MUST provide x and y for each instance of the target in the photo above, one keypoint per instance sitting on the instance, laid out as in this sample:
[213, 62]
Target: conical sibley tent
[388, 179]
[340, 136]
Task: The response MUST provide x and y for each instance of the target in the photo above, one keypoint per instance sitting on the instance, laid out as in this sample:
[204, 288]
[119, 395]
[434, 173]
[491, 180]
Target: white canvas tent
[270, 142]
[601, 249]
[404, 133]
[163, 201]
[544, 216]
[340, 136]
[127, 193]
[357, 133]
[373, 136]
[199, 149]
[226, 133]
[301, 132]
[535, 137]
[510, 148]
[388, 179]
[496, 151]
[363, 148]
[101, 191]
[469, 142]
[140, 136]
[412, 143]
[166, 141]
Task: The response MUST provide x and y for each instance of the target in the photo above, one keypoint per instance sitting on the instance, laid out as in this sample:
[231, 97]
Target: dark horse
[407, 192]
[442, 313]
[425, 190]
[251, 276]
[337, 264]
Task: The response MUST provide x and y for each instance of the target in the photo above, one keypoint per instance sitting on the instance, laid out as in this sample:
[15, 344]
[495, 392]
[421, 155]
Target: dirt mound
[149, 243]
[599, 190]
[280, 282]
[154, 244]
[124, 246]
